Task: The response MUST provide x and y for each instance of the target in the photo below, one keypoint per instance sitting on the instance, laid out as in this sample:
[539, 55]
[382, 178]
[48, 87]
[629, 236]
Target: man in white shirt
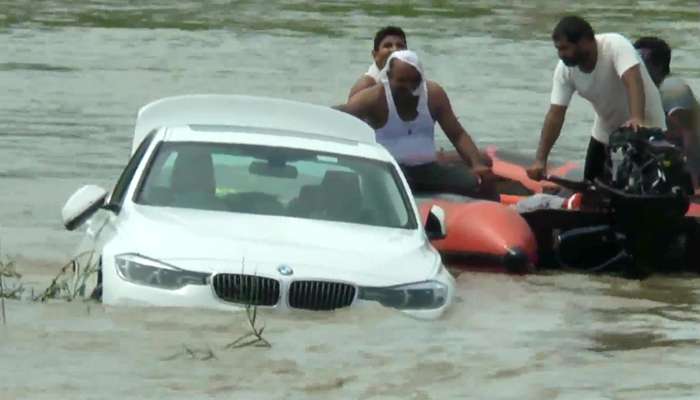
[386, 41]
[607, 71]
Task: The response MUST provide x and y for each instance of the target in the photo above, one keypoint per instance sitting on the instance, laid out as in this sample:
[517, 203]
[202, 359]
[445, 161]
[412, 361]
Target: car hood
[214, 241]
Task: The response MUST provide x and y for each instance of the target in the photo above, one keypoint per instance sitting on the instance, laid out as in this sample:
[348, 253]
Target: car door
[99, 227]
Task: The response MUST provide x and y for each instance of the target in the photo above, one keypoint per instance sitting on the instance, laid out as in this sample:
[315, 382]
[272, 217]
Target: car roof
[252, 114]
[273, 138]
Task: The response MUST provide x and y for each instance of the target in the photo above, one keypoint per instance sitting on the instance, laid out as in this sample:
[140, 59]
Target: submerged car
[230, 201]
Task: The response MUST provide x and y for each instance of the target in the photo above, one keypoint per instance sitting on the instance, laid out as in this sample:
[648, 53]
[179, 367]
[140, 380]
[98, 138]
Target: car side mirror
[435, 226]
[82, 205]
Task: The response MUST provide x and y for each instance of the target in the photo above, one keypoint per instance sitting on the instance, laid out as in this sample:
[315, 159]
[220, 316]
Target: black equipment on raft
[645, 163]
[645, 191]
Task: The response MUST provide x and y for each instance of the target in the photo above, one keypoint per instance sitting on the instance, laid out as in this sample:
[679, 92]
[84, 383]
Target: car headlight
[413, 296]
[146, 271]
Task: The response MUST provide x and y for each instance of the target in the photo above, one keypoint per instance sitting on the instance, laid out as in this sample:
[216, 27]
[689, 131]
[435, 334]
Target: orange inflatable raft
[487, 235]
[484, 236]
[492, 236]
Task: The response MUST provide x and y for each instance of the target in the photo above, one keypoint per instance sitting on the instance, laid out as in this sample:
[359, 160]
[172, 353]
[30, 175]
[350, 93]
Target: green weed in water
[254, 337]
[193, 354]
[72, 278]
[10, 285]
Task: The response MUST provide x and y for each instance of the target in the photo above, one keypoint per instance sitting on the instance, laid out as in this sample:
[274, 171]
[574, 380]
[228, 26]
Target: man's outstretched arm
[361, 84]
[553, 122]
[459, 137]
[359, 105]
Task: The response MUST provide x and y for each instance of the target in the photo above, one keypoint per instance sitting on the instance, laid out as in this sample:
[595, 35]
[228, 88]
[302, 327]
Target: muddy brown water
[73, 75]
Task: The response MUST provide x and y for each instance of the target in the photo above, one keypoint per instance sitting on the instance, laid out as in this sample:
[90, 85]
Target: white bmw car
[234, 200]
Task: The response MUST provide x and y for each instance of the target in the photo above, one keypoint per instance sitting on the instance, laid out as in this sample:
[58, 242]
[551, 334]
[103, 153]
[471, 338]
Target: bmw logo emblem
[285, 270]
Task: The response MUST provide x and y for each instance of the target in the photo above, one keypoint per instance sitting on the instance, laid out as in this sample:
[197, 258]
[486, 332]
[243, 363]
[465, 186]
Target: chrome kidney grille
[320, 295]
[261, 291]
[246, 289]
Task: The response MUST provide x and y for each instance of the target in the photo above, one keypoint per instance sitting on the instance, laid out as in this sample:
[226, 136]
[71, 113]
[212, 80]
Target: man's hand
[633, 123]
[484, 173]
[553, 122]
[537, 170]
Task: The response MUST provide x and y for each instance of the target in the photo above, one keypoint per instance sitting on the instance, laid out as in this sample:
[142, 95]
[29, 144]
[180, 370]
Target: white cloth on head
[411, 58]
[604, 89]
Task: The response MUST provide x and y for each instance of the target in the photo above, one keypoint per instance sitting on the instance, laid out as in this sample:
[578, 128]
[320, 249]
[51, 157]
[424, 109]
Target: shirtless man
[403, 110]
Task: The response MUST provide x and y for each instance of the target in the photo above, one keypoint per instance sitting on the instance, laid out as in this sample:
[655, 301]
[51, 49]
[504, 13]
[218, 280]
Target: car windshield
[276, 181]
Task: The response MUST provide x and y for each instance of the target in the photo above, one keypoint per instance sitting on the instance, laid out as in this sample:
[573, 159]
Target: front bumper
[118, 291]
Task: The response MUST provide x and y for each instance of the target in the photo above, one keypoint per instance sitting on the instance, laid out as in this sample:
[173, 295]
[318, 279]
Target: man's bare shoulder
[364, 82]
[365, 104]
[369, 94]
[437, 97]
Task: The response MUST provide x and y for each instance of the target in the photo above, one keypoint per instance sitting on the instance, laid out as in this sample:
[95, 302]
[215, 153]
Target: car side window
[120, 189]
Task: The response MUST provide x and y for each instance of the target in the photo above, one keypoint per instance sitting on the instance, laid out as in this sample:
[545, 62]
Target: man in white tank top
[606, 70]
[403, 110]
[386, 41]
